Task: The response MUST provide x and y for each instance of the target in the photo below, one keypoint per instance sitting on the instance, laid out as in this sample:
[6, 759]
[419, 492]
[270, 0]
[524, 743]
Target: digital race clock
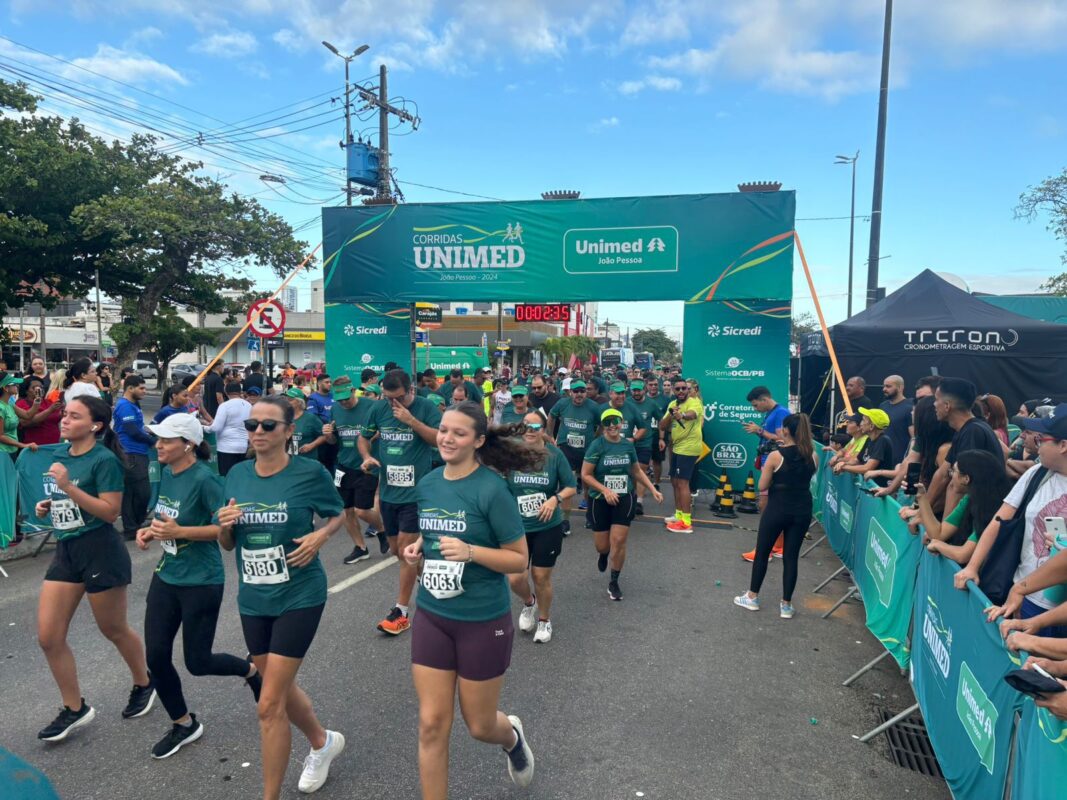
[542, 312]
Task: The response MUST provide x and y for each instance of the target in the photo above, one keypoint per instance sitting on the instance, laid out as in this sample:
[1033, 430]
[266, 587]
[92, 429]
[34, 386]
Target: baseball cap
[878, 418]
[562, 370]
[294, 392]
[10, 380]
[255, 391]
[576, 385]
[618, 386]
[373, 388]
[519, 390]
[566, 385]
[342, 388]
[637, 385]
[179, 426]
[857, 418]
[1055, 424]
[610, 412]
[436, 399]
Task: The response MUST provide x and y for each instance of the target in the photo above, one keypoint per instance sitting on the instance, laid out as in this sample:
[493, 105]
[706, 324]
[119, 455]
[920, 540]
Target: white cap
[179, 426]
[566, 385]
[562, 370]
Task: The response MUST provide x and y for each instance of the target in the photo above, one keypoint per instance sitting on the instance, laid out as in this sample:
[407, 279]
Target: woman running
[471, 535]
[786, 480]
[188, 584]
[540, 495]
[269, 520]
[84, 490]
[611, 471]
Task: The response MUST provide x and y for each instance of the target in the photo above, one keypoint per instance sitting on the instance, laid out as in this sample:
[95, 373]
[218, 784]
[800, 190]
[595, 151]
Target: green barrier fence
[8, 493]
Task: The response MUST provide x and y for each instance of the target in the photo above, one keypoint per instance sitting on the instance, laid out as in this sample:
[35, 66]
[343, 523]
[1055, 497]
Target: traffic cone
[749, 504]
[726, 505]
[716, 503]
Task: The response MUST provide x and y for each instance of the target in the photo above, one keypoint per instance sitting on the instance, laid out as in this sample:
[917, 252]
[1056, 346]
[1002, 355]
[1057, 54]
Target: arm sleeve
[956, 516]
[219, 422]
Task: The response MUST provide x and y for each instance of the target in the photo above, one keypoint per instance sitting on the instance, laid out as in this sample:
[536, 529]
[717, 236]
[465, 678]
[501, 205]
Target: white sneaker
[746, 602]
[317, 763]
[528, 618]
[521, 762]
[544, 631]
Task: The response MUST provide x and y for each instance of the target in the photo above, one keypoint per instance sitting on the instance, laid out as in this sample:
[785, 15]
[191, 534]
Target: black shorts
[644, 457]
[400, 518]
[657, 454]
[682, 466]
[98, 559]
[357, 488]
[545, 546]
[476, 651]
[604, 515]
[289, 635]
[574, 456]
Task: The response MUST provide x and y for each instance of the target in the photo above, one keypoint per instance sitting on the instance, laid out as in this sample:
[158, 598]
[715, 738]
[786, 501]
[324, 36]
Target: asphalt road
[672, 693]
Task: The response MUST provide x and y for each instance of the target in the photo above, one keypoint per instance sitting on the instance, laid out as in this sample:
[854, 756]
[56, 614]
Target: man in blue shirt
[128, 422]
[320, 403]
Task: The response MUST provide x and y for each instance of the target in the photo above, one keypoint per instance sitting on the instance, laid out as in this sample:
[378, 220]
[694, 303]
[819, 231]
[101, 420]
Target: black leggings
[196, 610]
[773, 522]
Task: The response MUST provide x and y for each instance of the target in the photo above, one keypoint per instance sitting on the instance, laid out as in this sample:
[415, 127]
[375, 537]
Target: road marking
[361, 576]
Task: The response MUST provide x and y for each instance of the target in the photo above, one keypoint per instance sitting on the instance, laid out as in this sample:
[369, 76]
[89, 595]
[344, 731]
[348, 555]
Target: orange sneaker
[396, 623]
[679, 527]
[750, 556]
[777, 552]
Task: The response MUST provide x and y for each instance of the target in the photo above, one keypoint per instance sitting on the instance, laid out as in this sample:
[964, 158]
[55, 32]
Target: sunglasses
[534, 426]
[577, 391]
[681, 388]
[268, 425]
[611, 422]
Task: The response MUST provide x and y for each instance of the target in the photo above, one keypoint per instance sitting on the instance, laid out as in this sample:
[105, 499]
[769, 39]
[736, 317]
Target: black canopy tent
[928, 326]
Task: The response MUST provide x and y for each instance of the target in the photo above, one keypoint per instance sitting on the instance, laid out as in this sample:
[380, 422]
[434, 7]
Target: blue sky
[609, 97]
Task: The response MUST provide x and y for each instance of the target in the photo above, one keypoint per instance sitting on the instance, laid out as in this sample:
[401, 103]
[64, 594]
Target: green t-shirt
[576, 426]
[633, 421]
[659, 405]
[96, 472]
[305, 430]
[404, 456]
[10, 422]
[955, 517]
[192, 497]
[277, 510]
[613, 464]
[479, 510]
[509, 415]
[648, 410]
[349, 426]
[531, 489]
[473, 392]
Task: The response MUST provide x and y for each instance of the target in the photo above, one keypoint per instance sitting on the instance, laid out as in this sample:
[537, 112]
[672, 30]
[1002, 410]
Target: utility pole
[99, 328]
[879, 164]
[852, 223]
[348, 109]
[381, 102]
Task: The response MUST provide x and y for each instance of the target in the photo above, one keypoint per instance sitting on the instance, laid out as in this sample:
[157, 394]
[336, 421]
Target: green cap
[637, 386]
[294, 392]
[373, 388]
[436, 399]
[610, 412]
[342, 392]
[519, 390]
[618, 386]
[577, 385]
[10, 380]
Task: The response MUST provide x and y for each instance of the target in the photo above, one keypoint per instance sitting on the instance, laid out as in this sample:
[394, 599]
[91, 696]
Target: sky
[608, 97]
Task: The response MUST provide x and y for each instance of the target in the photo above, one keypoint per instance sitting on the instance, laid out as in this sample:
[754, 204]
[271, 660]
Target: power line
[451, 191]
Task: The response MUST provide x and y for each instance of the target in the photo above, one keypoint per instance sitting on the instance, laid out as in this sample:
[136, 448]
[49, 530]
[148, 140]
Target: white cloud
[128, 66]
[604, 124]
[657, 82]
[142, 37]
[234, 44]
[662, 21]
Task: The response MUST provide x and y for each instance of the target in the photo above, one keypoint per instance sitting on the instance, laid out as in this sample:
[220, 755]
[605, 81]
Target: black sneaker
[639, 510]
[383, 542]
[141, 700]
[67, 721]
[177, 738]
[358, 554]
[255, 683]
[614, 592]
[602, 562]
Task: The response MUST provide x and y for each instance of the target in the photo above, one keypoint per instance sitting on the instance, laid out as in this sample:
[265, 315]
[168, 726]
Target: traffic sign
[275, 344]
[266, 318]
[253, 344]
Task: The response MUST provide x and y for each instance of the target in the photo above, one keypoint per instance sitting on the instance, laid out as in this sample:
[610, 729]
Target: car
[146, 369]
[182, 371]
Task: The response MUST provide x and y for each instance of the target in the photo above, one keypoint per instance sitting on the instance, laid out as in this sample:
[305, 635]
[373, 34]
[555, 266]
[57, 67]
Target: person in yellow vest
[683, 420]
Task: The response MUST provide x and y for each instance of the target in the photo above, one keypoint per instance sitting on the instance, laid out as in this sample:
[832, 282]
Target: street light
[348, 106]
[852, 221]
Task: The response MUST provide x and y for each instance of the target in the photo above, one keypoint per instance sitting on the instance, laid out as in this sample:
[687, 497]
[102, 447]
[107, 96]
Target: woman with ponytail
[471, 537]
[84, 491]
[786, 478]
[80, 381]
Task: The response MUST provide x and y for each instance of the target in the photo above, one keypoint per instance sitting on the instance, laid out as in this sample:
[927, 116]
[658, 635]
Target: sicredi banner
[731, 347]
[682, 247]
[366, 335]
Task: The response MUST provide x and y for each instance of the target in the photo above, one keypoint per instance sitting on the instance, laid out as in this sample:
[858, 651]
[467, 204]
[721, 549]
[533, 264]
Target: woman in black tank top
[786, 477]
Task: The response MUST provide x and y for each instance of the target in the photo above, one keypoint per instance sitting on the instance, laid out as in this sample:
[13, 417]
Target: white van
[146, 369]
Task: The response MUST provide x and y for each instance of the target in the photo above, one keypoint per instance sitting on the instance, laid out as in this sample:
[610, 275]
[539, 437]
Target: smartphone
[1055, 526]
[912, 478]
[1034, 682]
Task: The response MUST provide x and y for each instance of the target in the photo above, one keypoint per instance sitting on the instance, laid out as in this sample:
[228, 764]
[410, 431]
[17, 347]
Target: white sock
[403, 609]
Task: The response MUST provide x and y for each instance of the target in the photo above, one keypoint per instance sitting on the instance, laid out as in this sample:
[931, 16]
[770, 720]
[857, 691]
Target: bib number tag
[530, 504]
[66, 516]
[338, 476]
[443, 579]
[266, 566]
[169, 546]
[400, 475]
[294, 446]
[617, 483]
[576, 440]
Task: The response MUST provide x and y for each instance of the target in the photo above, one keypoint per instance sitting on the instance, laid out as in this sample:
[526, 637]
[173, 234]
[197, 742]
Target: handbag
[997, 575]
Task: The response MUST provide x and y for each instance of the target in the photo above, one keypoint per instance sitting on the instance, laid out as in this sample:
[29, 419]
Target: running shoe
[614, 592]
[141, 700]
[566, 527]
[528, 617]
[358, 554]
[68, 720]
[777, 552]
[750, 556]
[668, 520]
[602, 562]
[639, 510]
[520, 757]
[786, 610]
[383, 542]
[746, 602]
[396, 623]
[544, 631]
[677, 526]
[582, 505]
[317, 763]
[177, 738]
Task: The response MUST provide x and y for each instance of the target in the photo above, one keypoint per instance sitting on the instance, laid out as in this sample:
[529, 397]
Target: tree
[1049, 196]
[803, 324]
[657, 342]
[166, 337]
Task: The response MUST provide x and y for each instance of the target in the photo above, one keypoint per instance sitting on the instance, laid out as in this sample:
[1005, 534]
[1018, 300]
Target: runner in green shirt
[611, 471]
[637, 429]
[84, 498]
[540, 495]
[307, 428]
[654, 393]
[269, 521]
[471, 535]
[519, 406]
[683, 419]
[187, 587]
[576, 419]
[407, 427]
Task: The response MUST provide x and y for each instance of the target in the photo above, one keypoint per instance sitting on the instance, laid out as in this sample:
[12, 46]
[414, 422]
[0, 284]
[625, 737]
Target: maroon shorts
[476, 651]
